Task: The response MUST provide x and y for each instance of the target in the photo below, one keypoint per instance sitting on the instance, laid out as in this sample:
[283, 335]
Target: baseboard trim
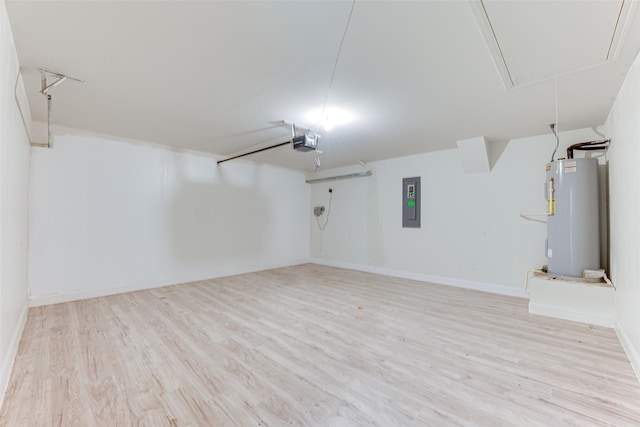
[12, 351]
[37, 301]
[575, 316]
[633, 353]
[439, 280]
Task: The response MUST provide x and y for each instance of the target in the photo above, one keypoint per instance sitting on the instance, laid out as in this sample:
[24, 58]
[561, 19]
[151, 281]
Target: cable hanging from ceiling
[335, 65]
[555, 124]
[309, 140]
[333, 75]
[601, 145]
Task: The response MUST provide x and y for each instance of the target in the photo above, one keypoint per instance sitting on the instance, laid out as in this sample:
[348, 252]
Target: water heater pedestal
[572, 299]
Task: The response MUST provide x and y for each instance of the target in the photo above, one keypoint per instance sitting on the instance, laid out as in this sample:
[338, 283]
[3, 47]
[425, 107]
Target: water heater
[573, 234]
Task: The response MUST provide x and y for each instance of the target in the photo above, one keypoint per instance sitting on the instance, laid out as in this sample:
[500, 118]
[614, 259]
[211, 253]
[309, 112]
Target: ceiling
[220, 77]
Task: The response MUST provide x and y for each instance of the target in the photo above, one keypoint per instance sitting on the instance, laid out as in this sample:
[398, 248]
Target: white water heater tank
[573, 233]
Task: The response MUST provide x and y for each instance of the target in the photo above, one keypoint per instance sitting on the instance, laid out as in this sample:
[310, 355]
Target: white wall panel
[471, 228]
[624, 130]
[14, 196]
[111, 216]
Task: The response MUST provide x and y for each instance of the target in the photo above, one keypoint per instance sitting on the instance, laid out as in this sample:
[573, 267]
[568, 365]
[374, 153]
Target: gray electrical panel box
[411, 202]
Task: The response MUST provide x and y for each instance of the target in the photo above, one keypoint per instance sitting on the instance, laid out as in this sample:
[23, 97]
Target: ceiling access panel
[534, 41]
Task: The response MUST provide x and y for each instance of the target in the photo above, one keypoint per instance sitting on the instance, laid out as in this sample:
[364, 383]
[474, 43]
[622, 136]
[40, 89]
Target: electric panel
[411, 202]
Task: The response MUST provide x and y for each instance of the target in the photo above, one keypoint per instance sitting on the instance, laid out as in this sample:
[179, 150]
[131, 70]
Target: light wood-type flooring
[315, 346]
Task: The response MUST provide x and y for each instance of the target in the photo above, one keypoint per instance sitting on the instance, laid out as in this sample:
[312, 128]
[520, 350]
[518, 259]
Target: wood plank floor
[314, 346]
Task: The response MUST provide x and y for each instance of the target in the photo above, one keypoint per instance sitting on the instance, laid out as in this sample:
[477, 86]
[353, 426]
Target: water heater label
[570, 166]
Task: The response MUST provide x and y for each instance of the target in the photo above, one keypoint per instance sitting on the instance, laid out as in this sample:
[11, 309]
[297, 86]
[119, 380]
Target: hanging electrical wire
[323, 226]
[335, 67]
[553, 125]
[553, 129]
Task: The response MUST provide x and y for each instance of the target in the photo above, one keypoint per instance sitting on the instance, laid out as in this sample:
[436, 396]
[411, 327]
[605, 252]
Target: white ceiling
[417, 76]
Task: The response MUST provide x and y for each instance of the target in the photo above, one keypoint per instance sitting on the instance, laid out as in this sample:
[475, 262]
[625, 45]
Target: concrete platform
[574, 299]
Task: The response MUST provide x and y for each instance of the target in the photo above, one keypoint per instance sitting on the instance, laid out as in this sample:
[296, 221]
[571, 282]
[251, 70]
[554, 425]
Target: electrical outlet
[318, 210]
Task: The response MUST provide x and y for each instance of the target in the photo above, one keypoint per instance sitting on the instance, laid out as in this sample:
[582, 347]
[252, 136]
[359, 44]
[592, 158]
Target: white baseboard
[567, 314]
[36, 301]
[633, 353]
[449, 281]
[10, 354]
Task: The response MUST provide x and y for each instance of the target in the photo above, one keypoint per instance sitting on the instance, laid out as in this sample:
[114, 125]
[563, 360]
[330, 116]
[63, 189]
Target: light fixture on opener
[331, 118]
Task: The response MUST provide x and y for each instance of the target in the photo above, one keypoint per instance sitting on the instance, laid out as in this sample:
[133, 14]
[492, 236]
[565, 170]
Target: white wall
[14, 190]
[624, 130]
[110, 216]
[471, 232]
